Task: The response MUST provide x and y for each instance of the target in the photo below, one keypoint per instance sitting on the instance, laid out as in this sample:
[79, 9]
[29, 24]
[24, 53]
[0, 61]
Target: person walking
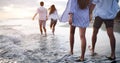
[42, 11]
[105, 12]
[78, 16]
[53, 16]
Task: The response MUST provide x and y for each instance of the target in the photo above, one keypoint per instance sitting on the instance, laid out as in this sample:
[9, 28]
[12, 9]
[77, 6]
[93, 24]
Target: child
[42, 17]
[53, 15]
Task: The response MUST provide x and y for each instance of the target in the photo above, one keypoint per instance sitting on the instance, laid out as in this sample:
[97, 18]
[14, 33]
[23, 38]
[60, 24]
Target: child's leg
[54, 24]
[40, 25]
[45, 31]
[44, 27]
[51, 23]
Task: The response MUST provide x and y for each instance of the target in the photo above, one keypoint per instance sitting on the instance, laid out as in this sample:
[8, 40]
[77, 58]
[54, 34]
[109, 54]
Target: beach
[21, 42]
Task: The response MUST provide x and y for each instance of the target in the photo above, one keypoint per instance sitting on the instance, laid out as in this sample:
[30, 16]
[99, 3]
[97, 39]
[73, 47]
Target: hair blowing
[52, 9]
[83, 3]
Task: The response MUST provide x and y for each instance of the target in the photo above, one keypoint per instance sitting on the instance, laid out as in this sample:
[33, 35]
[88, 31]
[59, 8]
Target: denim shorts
[98, 22]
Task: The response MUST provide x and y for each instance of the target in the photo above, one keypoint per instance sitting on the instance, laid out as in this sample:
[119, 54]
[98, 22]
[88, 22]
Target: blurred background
[25, 9]
[14, 9]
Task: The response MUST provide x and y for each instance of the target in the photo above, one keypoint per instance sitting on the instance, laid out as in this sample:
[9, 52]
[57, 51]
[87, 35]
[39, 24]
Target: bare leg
[94, 39]
[112, 41]
[83, 42]
[44, 28]
[45, 31]
[51, 23]
[72, 32]
[40, 25]
[53, 30]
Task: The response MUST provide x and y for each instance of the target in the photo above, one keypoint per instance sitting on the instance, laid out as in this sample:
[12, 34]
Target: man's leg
[112, 41]
[94, 39]
[97, 24]
[109, 26]
[44, 27]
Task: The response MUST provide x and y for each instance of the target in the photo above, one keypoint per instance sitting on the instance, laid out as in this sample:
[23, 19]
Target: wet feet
[71, 53]
[79, 60]
[110, 58]
[53, 33]
[92, 51]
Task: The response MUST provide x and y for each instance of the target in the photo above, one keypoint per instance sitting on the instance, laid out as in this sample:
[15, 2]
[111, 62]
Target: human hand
[33, 18]
[70, 21]
[90, 17]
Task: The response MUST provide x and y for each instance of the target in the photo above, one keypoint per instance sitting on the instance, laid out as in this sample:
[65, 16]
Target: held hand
[90, 17]
[33, 18]
[70, 21]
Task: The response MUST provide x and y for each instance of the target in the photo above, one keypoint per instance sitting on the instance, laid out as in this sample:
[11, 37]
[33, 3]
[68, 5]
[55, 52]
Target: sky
[27, 8]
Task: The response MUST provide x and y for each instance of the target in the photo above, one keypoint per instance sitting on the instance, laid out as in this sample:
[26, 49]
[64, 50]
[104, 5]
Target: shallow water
[21, 42]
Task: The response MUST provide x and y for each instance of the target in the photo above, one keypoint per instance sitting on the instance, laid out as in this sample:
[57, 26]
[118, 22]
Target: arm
[34, 16]
[70, 18]
[46, 15]
[92, 6]
[72, 5]
[71, 11]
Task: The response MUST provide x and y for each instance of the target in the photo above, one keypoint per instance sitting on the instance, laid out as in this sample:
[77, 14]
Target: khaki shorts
[98, 22]
[43, 22]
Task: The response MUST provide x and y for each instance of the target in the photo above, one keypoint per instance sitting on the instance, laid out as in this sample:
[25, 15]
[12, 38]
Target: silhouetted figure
[42, 17]
[53, 16]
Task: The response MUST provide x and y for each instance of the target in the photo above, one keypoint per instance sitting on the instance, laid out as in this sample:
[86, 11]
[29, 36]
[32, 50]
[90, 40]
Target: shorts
[53, 22]
[98, 22]
[42, 22]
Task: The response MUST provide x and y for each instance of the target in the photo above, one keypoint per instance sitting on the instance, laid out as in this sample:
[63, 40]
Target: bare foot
[71, 53]
[111, 58]
[92, 51]
[89, 47]
[80, 60]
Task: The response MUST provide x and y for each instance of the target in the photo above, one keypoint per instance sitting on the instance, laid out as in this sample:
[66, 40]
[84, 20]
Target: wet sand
[21, 42]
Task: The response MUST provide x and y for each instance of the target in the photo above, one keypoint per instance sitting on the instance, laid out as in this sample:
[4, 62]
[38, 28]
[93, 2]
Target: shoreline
[21, 42]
